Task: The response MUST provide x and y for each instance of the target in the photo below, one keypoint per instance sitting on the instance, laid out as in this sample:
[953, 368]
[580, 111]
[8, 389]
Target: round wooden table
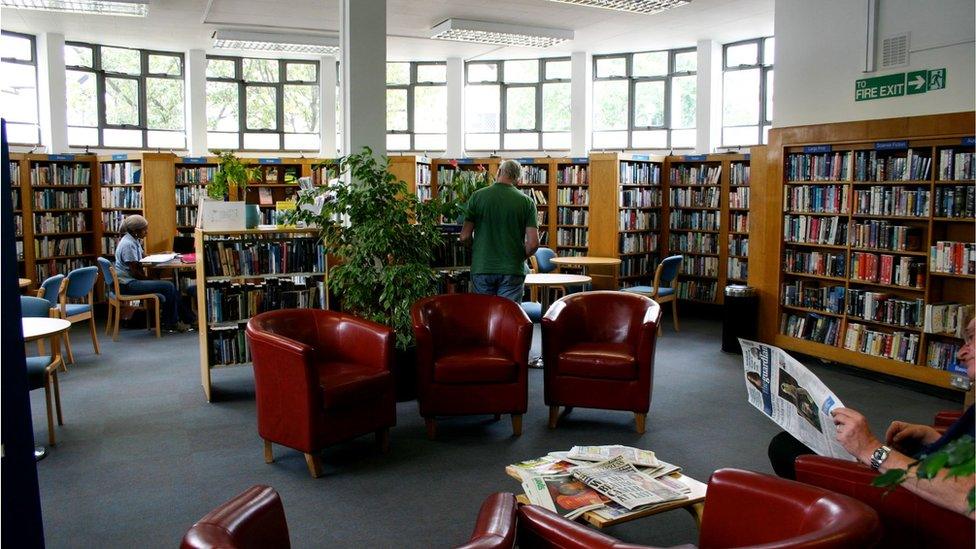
[36, 328]
[24, 282]
[586, 261]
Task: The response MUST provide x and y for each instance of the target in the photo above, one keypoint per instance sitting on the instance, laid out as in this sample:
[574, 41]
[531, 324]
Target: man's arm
[466, 231]
[531, 240]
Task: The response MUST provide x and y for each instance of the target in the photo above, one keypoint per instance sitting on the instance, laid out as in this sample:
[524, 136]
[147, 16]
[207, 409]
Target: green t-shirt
[500, 214]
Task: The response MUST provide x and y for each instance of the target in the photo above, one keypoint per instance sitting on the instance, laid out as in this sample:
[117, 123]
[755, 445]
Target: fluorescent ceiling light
[268, 41]
[135, 8]
[503, 34]
[633, 6]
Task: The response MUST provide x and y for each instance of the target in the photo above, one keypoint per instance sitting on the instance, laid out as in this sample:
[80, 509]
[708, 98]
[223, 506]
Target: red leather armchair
[495, 528]
[472, 357]
[598, 349]
[742, 509]
[320, 377]
[253, 520]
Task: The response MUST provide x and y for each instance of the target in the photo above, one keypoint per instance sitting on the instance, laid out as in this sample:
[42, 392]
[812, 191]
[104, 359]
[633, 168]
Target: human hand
[854, 434]
[900, 433]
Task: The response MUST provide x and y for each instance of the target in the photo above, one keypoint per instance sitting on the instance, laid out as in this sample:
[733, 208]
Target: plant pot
[252, 216]
[405, 373]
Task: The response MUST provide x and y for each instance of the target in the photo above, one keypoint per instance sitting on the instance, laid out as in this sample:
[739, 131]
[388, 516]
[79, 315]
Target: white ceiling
[185, 24]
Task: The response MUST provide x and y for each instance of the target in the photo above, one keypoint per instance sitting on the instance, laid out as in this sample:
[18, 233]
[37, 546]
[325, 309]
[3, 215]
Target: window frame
[765, 66]
[37, 99]
[633, 81]
[278, 86]
[411, 87]
[503, 129]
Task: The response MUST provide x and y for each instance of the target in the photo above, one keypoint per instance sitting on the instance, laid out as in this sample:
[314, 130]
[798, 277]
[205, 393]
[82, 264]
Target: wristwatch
[879, 456]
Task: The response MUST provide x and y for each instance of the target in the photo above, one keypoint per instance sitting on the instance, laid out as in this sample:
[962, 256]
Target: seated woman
[905, 443]
[134, 280]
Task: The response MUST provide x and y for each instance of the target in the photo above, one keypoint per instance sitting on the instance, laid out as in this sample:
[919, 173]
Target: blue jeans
[169, 308]
[507, 286]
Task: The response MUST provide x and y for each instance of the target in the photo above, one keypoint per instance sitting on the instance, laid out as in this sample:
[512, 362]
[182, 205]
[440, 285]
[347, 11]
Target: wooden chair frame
[673, 298]
[534, 290]
[115, 303]
[51, 386]
[88, 315]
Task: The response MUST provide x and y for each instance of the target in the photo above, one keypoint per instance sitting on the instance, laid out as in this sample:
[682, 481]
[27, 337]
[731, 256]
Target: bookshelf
[277, 181]
[572, 203]
[443, 169]
[291, 272]
[137, 183]
[22, 230]
[626, 196]
[60, 205]
[871, 242]
[536, 182]
[192, 174]
[415, 172]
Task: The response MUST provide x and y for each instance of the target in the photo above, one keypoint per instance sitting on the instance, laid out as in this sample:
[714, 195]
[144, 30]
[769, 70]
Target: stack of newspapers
[612, 481]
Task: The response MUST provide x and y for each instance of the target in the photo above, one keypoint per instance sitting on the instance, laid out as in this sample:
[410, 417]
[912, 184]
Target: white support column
[455, 108]
[581, 93]
[362, 30]
[196, 102]
[709, 117]
[52, 92]
[327, 111]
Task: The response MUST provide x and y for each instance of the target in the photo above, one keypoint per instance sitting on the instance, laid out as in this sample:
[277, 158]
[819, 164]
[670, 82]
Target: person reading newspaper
[904, 444]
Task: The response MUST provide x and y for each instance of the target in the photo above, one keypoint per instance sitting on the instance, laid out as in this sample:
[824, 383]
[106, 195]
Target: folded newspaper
[792, 397]
[636, 456]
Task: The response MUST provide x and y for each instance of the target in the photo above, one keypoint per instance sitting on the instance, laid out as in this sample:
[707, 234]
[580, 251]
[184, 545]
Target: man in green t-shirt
[505, 233]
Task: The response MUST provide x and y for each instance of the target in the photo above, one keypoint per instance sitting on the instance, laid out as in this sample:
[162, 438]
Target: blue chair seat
[662, 292]
[77, 308]
[533, 310]
[35, 371]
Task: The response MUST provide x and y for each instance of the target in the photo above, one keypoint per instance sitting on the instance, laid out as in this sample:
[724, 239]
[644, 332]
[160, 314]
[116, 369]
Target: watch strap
[879, 456]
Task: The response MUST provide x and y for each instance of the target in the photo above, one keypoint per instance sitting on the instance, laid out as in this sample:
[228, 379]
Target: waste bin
[740, 317]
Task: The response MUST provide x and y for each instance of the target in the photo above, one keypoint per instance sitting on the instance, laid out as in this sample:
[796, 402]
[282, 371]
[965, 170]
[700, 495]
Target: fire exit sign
[899, 84]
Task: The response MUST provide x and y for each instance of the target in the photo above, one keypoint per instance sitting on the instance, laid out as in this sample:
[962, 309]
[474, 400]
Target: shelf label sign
[194, 160]
[640, 157]
[899, 84]
[814, 149]
[580, 160]
[61, 157]
[525, 160]
[269, 161]
[120, 157]
[465, 160]
[969, 141]
[747, 156]
[694, 158]
[890, 145]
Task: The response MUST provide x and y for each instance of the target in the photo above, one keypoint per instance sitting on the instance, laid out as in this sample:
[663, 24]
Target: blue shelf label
[528, 160]
[120, 157]
[465, 160]
[269, 161]
[890, 145]
[694, 157]
[748, 156]
[60, 157]
[813, 149]
[640, 157]
[969, 141]
[194, 159]
[580, 160]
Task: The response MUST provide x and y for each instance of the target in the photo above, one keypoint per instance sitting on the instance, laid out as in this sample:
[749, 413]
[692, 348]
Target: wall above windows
[19, 104]
[747, 91]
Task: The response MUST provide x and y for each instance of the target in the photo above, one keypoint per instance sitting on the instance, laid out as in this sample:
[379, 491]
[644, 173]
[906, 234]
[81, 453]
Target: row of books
[638, 220]
[884, 235]
[18, 225]
[699, 266]
[60, 223]
[109, 243]
[815, 230]
[452, 253]
[702, 243]
[635, 266]
[898, 345]
[955, 201]
[59, 174]
[112, 221]
[739, 173]
[572, 175]
[571, 196]
[228, 346]
[811, 295]
[698, 290]
[536, 195]
[121, 173]
[631, 243]
[19, 247]
[50, 199]
[815, 263]
[15, 198]
[695, 198]
[811, 327]
[118, 197]
[954, 166]
[738, 269]
[953, 257]
[817, 198]
[888, 200]
[696, 175]
[190, 195]
[739, 245]
[905, 271]
[883, 307]
[51, 267]
[572, 237]
[640, 198]
[833, 166]
[425, 192]
[53, 247]
[572, 216]
[228, 302]
[541, 215]
[570, 252]
[257, 256]
[692, 220]
[947, 318]
[534, 175]
[195, 175]
[739, 222]
[14, 168]
[186, 217]
[910, 167]
[739, 198]
[640, 173]
[941, 354]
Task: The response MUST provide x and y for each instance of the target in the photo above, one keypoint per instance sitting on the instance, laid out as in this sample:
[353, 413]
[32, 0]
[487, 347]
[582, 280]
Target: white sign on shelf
[217, 215]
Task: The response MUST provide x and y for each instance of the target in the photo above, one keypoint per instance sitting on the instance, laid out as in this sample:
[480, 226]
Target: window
[416, 106]
[262, 104]
[747, 97]
[19, 104]
[645, 100]
[124, 98]
[517, 104]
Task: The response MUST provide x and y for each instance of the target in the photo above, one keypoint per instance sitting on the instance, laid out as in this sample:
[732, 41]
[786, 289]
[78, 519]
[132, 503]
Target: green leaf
[931, 465]
[890, 478]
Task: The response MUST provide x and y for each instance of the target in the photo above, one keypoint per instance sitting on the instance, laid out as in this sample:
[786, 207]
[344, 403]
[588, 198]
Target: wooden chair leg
[383, 440]
[553, 416]
[517, 424]
[268, 453]
[314, 465]
[57, 396]
[641, 421]
[431, 428]
[158, 333]
[91, 327]
[50, 415]
[108, 321]
[118, 313]
[67, 346]
[674, 313]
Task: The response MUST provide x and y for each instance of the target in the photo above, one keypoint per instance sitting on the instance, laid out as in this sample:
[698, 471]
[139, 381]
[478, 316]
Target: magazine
[546, 465]
[792, 397]
[563, 494]
[635, 456]
[621, 482]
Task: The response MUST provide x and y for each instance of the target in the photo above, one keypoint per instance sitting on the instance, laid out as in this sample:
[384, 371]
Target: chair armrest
[944, 419]
[366, 341]
[647, 337]
[495, 528]
[515, 334]
[425, 350]
[557, 332]
[255, 518]
[538, 527]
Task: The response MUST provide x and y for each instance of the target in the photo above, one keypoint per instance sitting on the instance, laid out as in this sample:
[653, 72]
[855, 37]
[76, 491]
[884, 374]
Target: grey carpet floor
[142, 455]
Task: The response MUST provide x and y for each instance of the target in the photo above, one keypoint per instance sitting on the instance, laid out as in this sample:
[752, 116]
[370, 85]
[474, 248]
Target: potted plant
[459, 189]
[384, 239]
[230, 184]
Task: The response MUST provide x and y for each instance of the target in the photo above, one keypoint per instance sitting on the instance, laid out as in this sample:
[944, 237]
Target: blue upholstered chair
[49, 289]
[42, 371]
[665, 285]
[115, 300]
[79, 285]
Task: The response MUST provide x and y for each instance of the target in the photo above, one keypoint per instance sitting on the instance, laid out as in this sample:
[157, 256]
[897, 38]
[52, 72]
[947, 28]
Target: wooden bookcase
[414, 171]
[23, 226]
[137, 183]
[572, 195]
[220, 338]
[278, 180]
[441, 165]
[848, 147]
[192, 174]
[537, 182]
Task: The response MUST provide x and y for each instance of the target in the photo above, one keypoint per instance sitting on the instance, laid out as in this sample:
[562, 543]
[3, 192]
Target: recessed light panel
[501, 34]
[633, 6]
[275, 42]
[133, 8]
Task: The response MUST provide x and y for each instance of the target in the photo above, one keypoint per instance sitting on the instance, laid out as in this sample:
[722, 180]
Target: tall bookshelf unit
[278, 180]
[22, 229]
[193, 173]
[863, 241]
[291, 272]
[415, 172]
[442, 169]
[572, 198]
[538, 176]
[137, 183]
[737, 245]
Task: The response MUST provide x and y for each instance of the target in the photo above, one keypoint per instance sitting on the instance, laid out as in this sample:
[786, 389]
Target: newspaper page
[563, 495]
[792, 397]
[636, 456]
[624, 484]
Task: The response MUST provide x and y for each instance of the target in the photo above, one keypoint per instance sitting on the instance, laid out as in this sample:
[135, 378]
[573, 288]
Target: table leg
[697, 510]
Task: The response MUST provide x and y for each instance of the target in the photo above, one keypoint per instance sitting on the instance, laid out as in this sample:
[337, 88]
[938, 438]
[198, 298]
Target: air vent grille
[894, 51]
